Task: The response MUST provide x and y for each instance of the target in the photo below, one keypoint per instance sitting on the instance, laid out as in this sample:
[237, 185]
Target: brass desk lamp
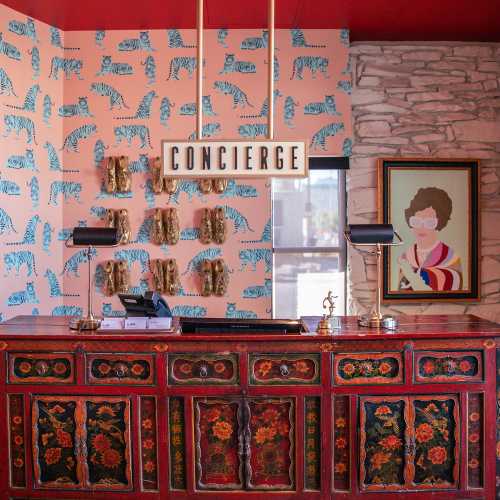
[90, 237]
[378, 235]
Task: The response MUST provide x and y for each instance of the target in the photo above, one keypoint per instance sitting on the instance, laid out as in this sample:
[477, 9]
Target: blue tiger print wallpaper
[70, 100]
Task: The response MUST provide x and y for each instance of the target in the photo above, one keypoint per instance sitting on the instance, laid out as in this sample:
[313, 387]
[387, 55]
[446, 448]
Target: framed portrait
[433, 204]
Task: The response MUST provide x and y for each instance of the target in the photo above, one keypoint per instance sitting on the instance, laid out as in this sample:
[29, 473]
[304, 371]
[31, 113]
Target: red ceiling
[454, 20]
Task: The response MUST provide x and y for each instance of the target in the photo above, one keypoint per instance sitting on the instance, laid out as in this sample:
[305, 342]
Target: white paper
[112, 324]
[138, 323]
[159, 323]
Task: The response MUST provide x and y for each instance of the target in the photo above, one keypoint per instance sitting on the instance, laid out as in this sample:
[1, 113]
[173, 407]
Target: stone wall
[433, 100]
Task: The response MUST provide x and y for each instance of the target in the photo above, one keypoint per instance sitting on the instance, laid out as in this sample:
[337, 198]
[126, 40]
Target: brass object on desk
[324, 327]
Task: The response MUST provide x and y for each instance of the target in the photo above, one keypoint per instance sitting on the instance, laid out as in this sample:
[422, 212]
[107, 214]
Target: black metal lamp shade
[370, 234]
[95, 236]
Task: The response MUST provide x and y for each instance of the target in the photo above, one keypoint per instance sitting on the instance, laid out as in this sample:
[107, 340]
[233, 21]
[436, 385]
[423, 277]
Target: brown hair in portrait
[431, 197]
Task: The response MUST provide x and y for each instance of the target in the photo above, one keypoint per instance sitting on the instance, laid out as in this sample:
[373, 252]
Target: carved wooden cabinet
[154, 416]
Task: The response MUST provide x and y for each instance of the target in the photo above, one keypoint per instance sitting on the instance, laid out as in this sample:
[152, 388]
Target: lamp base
[84, 323]
[372, 321]
[324, 327]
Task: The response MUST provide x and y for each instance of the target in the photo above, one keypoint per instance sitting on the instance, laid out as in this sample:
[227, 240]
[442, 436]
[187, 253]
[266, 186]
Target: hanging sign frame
[234, 158]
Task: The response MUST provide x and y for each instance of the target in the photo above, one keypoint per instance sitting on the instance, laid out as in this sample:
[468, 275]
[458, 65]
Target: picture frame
[433, 204]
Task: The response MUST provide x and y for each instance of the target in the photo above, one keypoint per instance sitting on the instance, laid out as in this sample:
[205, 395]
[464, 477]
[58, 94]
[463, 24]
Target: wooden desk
[151, 415]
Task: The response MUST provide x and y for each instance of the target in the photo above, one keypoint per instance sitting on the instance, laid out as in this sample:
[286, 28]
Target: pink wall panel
[320, 62]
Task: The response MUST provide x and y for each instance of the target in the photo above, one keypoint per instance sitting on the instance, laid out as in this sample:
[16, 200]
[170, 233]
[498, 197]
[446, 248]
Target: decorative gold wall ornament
[123, 225]
[157, 175]
[219, 185]
[109, 286]
[110, 177]
[171, 226]
[207, 278]
[205, 186]
[156, 267]
[206, 226]
[218, 225]
[221, 277]
[157, 232]
[122, 277]
[170, 185]
[123, 175]
[171, 277]
[109, 218]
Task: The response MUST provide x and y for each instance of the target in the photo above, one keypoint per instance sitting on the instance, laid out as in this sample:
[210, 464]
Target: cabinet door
[56, 442]
[409, 442]
[384, 454]
[270, 443]
[219, 443]
[435, 439]
[106, 426]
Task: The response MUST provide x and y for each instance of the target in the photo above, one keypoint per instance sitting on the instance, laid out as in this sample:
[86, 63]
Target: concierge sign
[266, 158]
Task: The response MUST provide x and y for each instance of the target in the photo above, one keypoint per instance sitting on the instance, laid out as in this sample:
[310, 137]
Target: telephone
[150, 305]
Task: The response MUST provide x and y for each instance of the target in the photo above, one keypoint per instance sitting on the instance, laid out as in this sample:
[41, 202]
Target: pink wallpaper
[136, 96]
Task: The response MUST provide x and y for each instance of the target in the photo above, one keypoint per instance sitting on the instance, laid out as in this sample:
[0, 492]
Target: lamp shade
[95, 236]
[370, 234]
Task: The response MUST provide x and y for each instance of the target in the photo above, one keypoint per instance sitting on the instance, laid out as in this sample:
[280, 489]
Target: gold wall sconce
[165, 276]
[121, 221]
[213, 226]
[116, 277]
[159, 181]
[214, 278]
[217, 185]
[165, 227]
[118, 178]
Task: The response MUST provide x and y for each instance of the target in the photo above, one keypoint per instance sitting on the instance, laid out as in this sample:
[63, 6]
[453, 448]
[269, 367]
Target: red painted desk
[151, 415]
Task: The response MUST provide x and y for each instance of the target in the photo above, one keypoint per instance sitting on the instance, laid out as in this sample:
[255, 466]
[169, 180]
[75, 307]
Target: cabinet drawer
[368, 368]
[207, 369]
[448, 366]
[282, 369]
[126, 369]
[41, 368]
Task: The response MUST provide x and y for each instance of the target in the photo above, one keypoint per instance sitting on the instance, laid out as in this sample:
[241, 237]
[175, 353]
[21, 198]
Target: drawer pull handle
[284, 370]
[203, 371]
[41, 367]
[121, 370]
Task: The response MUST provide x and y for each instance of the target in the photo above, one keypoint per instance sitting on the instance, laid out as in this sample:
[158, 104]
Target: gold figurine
[219, 225]
[221, 277]
[158, 275]
[219, 184]
[205, 186]
[122, 277]
[157, 175]
[324, 326]
[207, 278]
[123, 175]
[123, 225]
[171, 276]
[110, 178]
[171, 226]
[206, 226]
[109, 286]
[157, 232]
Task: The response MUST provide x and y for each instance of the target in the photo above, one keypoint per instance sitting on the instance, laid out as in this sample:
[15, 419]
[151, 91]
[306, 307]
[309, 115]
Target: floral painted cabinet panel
[409, 442]
[244, 443]
[81, 442]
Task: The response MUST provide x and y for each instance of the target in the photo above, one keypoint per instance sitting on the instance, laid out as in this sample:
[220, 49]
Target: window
[308, 242]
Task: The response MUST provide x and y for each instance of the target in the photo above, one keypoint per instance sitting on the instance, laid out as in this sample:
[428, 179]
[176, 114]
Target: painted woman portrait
[429, 264]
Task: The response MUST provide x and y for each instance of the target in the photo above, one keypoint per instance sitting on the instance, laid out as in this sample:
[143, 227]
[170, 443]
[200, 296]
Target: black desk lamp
[378, 235]
[90, 237]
